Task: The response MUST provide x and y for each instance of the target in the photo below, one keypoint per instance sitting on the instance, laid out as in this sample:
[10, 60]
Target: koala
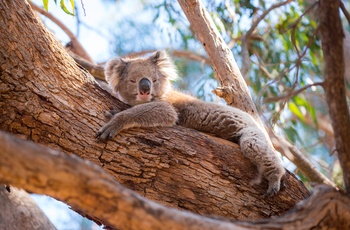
[144, 83]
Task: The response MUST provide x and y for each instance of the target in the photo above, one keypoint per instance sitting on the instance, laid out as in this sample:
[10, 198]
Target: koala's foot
[274, 186]
[276, 183]
[272, 190]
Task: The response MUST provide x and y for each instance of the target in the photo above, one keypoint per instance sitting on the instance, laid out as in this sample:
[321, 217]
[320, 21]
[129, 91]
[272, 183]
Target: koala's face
[138, 81]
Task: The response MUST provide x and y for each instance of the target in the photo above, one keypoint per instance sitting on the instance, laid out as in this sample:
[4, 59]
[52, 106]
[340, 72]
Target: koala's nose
[144, 86]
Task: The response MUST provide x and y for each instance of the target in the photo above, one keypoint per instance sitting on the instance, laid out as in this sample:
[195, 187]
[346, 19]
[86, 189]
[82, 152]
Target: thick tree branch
[176, 53]
[19, 210]
[331, 32]
[223, 62]
[89, 188]
[96, 70]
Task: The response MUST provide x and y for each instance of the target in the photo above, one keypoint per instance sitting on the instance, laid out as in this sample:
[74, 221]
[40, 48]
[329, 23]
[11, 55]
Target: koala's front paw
[107, 132]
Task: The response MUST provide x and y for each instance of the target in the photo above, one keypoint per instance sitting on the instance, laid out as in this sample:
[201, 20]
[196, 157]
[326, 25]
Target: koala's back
[221, 121]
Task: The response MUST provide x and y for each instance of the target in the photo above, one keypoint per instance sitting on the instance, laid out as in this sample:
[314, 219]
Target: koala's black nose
[145, 86]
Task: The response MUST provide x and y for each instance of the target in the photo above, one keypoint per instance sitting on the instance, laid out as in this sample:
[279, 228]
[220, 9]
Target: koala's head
[141, 80]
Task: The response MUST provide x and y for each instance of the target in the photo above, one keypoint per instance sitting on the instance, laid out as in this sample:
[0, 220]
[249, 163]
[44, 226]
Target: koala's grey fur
[162, 106]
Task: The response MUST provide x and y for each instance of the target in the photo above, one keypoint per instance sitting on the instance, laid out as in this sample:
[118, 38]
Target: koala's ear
[114, 70]
[158, 56]
[164, 64]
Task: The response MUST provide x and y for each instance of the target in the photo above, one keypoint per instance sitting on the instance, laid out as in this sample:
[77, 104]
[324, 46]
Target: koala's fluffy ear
[113, 71]
[164, 64]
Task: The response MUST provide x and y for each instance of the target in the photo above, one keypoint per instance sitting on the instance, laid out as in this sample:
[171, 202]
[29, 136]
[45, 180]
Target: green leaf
[64, 8]
[72, 4]
[295, 109]
[46, 4]
[312, 112]
[303, 102]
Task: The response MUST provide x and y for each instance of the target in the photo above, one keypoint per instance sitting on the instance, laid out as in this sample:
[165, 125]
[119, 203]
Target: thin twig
[246, 37]
[178, 53]
[292, 94]
[78, 48]
[263, 15]
[83, 6]
[345, 12]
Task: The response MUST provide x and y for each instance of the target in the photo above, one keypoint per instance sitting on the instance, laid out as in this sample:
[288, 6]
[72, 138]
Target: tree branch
[177, 53]
[345, 12]
[95, 70]
[331, 32]
[19, 211]
[296, 156]
[223, 62]
[290, 94]
[87, 187]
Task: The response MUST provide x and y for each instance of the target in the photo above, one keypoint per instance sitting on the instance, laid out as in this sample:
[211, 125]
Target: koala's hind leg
[255, 147]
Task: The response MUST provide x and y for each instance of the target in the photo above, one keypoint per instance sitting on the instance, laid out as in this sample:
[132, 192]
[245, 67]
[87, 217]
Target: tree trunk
[332, 35]
[19, 211]
[47, 98]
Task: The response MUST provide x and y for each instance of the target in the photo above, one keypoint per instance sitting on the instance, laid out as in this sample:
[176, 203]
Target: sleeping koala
[144, 83]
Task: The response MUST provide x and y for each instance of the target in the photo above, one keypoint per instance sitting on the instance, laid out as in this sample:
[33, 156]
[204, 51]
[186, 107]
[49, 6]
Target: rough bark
[17, 205]
[97, 193]
[331, 32]
[47, 98]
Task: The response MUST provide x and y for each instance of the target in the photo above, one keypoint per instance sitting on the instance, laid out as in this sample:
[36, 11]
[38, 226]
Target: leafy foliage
[62, 5]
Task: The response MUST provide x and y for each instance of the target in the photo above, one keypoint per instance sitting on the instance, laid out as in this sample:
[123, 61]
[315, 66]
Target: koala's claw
[103, 135]
[270, 193]
[107, 132]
